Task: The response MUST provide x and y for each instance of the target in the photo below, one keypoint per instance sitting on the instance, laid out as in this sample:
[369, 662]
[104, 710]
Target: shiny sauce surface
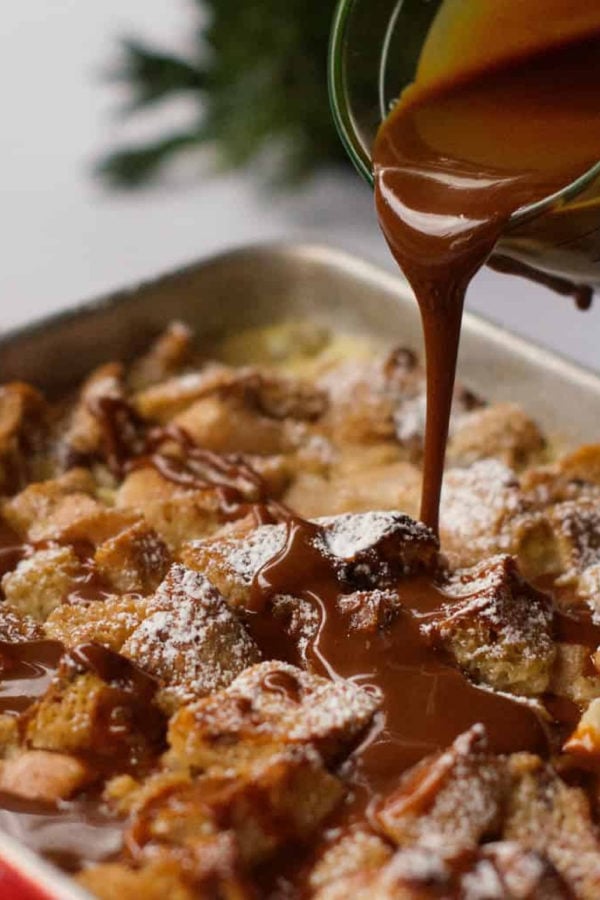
[426, 700]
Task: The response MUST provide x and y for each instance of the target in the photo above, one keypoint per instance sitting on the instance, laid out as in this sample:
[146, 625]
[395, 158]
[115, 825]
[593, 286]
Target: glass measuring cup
[374, 51]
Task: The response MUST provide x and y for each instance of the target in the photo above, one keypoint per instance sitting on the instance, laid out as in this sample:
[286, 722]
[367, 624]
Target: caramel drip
[284, 684]
[123, 431]
[582, 294]
[577, 627]
[26, 669]
[12, 550]
[112, 668]
[88, 584]
[131, 443]
[448, 181]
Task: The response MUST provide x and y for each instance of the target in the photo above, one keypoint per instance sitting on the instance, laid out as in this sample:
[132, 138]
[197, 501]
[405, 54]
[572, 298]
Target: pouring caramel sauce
[488, 128]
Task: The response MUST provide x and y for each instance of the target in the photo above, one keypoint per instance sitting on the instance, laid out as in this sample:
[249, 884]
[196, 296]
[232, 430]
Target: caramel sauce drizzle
[427, 701]
[26, 670]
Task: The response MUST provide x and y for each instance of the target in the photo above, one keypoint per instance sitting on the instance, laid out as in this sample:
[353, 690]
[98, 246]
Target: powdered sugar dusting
[191, 640]
[349, 535]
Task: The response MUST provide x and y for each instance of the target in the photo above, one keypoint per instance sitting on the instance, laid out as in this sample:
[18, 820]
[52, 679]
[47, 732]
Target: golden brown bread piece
[208, 868]
[39, 501]
[500, 870]
[83, 437]
[453, 800]
[502, 431]
[358, 851]
[364, 550]
[24, 416]
[109, 621]
[98, 704]
[65, 510]
[547, 816]
[157, 880]
[44, 775]
[278, 798]
[134, 559]
[171, 350]
[357, 485]
[178, 514]
[498, 628]
[14, 626]
[269, 706]
[189, 639]
[42, 581]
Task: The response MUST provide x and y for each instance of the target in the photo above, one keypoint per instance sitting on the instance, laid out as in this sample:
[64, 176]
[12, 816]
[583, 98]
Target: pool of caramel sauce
[452, 162]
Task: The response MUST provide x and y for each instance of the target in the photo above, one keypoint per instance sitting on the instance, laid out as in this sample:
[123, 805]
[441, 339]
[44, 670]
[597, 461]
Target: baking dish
[256, 286]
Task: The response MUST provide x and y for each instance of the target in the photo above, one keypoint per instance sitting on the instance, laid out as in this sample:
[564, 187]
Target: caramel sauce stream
[454, 160]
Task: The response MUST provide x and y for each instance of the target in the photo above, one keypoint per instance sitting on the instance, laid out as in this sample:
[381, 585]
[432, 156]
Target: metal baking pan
[256, 286]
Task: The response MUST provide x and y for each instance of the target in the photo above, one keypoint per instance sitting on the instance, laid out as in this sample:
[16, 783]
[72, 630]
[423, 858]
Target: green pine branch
[152, 75]
[259, 78]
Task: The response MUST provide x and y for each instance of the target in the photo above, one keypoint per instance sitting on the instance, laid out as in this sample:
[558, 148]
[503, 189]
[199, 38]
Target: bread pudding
[235, 665]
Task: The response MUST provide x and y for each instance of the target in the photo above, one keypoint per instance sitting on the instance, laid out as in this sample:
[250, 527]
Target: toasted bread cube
[155, 881]
[498, 870]
[83, 520]
[545, 815]
[109, 622]
[83, 437]
[484, 512]
[14, 626]
[270, 705]
[225, 425]
[251, 392]
[19, 404]
[268, 396]
[9, 734]
[279, 798]
[135, 559]
[375, 548]
[588, 588]
[585, 740]
[190, 640]
[276, 472]
[23, 430]
[170, 352]
[356, 851]
[498, 627]
[573, 676]
[99, 703]
[583, 465]
[39, 501]
[163, 400]
[176, 513]
[42, 581]
[453, 799]
[387, 485]
[502, 431]
[206, 868]
[60, 511]
[365, 550]
[576, 526]
[366, 406]
[41, 775]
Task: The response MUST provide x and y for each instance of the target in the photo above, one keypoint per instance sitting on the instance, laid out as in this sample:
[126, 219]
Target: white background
[65, 238]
